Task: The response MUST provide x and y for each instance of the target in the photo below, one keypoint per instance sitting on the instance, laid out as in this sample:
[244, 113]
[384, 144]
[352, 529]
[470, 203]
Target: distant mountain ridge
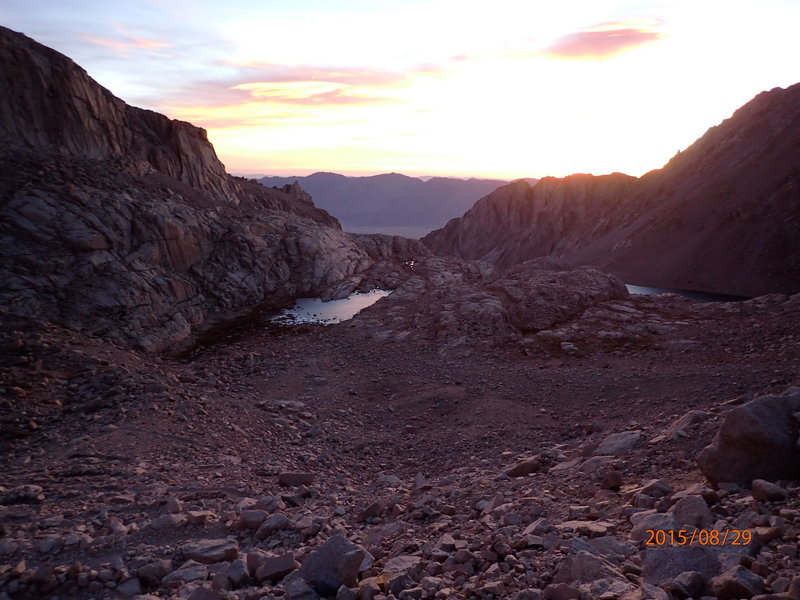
[390, 203]
[722, 216]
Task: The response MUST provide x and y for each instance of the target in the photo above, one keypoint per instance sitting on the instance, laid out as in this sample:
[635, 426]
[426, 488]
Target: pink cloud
[333, 97]
[310, 93]
[326, 85]
[602, 41]
[277, 73]
[124, 43]
[234, 98]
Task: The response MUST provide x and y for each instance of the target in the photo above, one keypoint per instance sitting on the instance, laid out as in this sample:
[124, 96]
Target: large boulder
[336, 563]
[758, 440]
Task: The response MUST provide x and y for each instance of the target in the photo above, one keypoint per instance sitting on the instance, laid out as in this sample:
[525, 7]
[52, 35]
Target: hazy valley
[391, 204]
[508, 423]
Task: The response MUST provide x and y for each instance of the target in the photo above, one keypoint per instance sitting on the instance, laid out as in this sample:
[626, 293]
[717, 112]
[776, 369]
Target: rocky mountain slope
[121, 222]
[50, 102]
[721, 216]
[532, 433]
[391, 203]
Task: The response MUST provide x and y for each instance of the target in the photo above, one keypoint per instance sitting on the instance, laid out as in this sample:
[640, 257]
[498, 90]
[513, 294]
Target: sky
[508, 88]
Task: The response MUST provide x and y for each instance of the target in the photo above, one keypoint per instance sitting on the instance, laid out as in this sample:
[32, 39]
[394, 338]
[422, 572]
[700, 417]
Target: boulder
[657, 488]
[152, 573]
[132, 587]
[276, 567]
[337, 562]
[585, 567]
[692, 511]
[561, 591]
[191, 570]
[757, 440]
[237, 572]
[402, 563]
[765, 491]
[300, 590]
[252, 519]
[459, 305]
[211, 551]
[643, 523]
[273, 523]
[618, 443]
[736, 582]
[690, 584]
[203, 593]
[525, 467]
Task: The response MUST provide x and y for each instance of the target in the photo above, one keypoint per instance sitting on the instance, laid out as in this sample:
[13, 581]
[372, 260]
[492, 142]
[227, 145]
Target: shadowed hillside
[722, 216]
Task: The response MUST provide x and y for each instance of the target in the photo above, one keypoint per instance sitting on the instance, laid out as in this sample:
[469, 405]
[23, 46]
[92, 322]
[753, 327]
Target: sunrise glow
[511, 89]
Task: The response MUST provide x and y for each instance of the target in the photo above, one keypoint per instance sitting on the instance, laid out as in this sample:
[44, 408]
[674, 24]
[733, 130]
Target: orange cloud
[604, 40]
[308, 93]
[265, 102]
[124, 44]
[255, 93]
[225, 117]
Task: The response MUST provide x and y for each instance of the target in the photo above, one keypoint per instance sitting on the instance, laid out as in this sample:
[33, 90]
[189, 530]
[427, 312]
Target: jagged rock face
[120, 222]
[720, 216]
[148, 263]
[50, 102]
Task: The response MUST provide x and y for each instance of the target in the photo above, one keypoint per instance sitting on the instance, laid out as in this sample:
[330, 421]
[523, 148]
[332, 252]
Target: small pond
[699, 296]
[314, 310]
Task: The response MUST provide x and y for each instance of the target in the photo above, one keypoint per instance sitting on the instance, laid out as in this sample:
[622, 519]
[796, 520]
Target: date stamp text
[700, 537]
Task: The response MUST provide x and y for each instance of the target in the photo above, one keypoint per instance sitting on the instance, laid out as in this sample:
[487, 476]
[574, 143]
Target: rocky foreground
[340, 462]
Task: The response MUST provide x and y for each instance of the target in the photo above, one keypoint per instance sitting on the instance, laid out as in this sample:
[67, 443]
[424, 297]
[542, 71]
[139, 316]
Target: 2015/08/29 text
[701, 537]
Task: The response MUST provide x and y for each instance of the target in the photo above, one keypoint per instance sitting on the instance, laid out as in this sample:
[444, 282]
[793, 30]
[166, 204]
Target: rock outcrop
[120, 222]
[458, 305]
[50, 102]
[719, 217]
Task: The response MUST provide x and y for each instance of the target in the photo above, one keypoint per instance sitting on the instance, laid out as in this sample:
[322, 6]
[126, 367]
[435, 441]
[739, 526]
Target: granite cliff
[50, 102]
[121, 222]
[721, 216]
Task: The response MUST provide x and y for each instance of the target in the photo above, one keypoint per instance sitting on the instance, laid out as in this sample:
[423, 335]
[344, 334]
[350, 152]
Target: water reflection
[314, 310]
[699, 296]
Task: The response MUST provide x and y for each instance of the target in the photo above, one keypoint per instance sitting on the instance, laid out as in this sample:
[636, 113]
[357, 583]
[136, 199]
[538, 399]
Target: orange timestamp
[701, 537]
